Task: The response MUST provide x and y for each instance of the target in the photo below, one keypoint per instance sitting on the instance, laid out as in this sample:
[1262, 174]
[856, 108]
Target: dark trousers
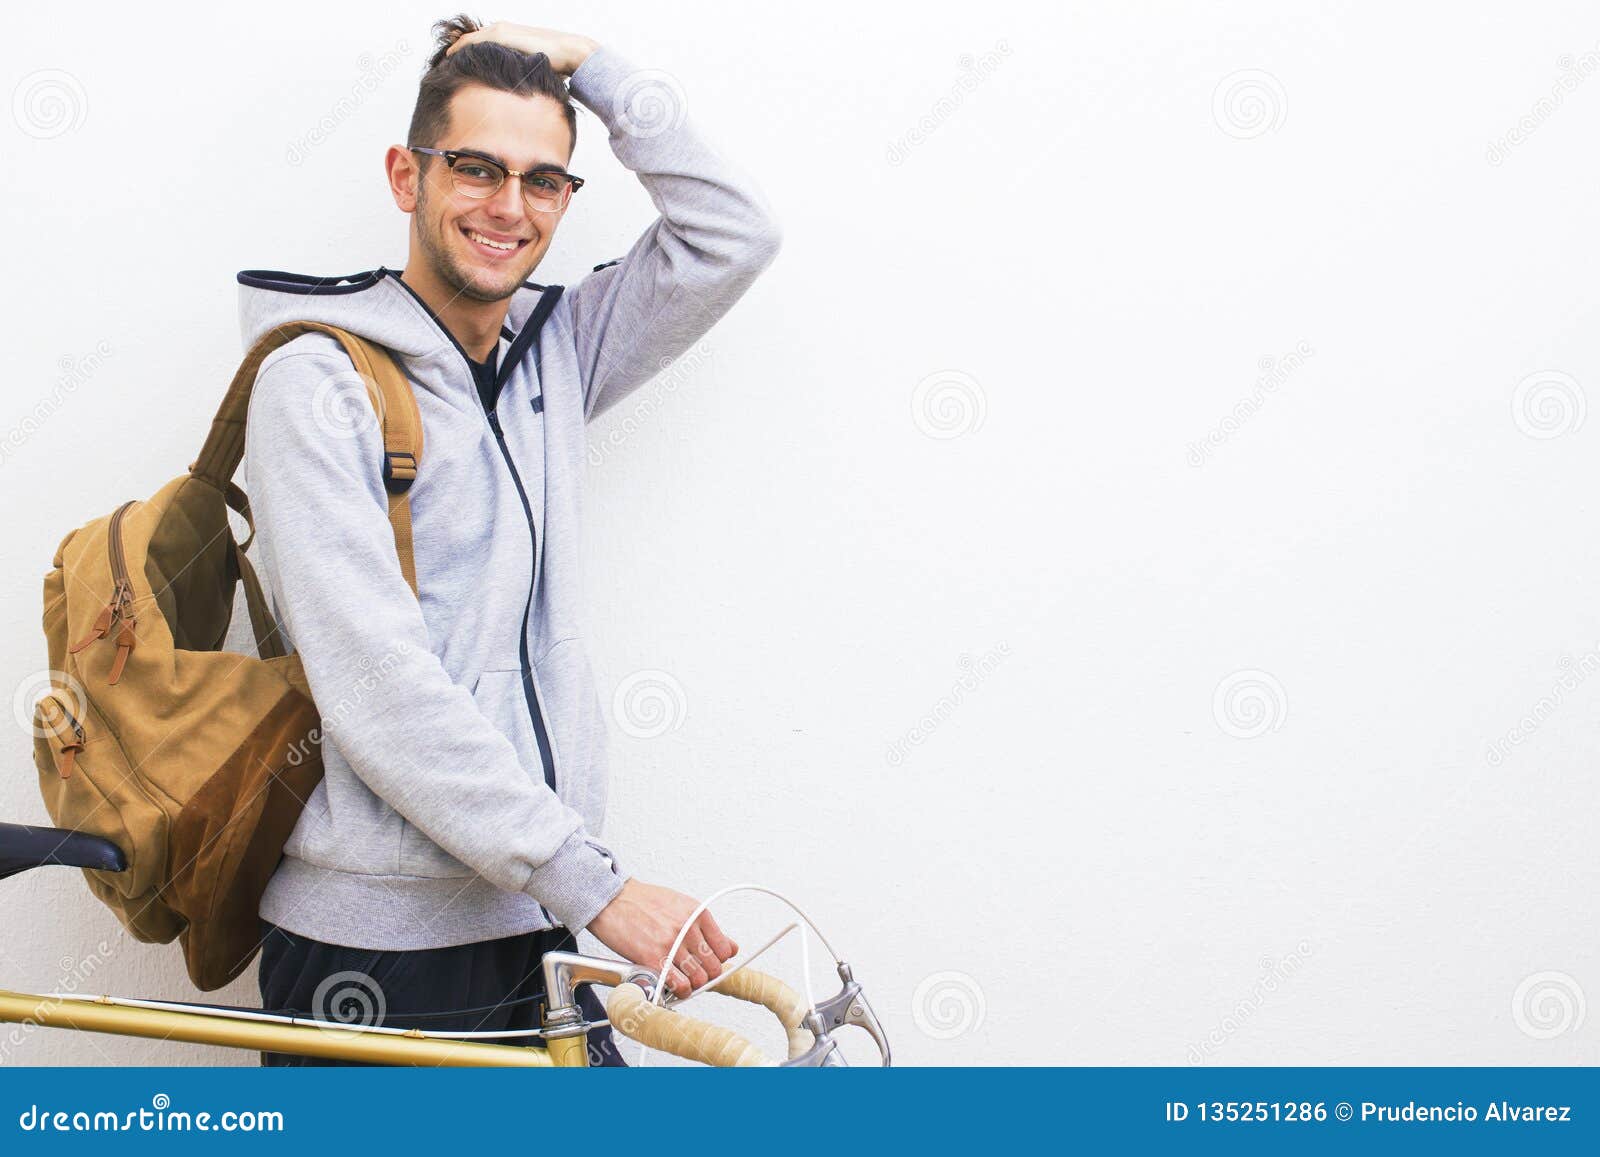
[481, 987]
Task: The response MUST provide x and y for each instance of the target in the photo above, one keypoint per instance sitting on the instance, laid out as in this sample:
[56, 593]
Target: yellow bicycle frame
[88, 1014]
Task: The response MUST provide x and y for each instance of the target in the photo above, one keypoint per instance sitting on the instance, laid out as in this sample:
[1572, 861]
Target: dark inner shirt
[484, 372]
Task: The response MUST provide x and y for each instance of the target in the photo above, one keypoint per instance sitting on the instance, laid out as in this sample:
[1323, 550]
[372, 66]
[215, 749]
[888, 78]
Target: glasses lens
[476, 177]
[546, 192]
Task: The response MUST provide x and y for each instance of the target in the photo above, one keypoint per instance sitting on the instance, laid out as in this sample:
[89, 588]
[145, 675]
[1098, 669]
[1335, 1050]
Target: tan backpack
[195, 761]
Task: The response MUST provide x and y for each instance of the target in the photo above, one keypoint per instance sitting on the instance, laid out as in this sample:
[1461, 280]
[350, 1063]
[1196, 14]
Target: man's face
[523, 132]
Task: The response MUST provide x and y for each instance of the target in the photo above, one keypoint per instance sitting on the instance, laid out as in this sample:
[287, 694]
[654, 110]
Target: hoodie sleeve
[713, 237]
[414, 736]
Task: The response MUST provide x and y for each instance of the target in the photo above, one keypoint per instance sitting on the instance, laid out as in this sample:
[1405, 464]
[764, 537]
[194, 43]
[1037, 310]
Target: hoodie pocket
[420, 856]
[500, 701]
[577, 724]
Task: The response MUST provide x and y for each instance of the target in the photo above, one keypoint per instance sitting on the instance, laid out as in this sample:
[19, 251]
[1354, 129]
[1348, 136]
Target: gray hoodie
[463, 736]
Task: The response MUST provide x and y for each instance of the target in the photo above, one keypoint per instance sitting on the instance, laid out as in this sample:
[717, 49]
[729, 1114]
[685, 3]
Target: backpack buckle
[399, 471]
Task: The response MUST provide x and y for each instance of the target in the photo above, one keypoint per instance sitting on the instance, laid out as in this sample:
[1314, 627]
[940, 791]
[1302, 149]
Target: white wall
[1081, 265]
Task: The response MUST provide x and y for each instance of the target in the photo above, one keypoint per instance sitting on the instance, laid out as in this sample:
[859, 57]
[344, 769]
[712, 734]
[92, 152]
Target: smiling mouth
[491, 248]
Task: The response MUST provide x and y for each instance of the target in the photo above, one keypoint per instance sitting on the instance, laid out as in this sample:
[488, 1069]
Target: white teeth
[482, 240]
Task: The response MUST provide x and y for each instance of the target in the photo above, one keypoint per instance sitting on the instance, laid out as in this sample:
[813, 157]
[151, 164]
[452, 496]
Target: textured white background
[1085, 259]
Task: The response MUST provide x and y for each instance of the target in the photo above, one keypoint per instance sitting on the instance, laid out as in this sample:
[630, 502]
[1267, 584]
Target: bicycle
[639, 1007]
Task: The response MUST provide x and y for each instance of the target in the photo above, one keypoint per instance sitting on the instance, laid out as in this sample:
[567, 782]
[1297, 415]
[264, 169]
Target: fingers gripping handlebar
[643, 1013]
[810, 1043]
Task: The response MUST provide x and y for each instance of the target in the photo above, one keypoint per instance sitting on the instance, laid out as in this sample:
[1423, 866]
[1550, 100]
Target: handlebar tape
[670, 1031]
[782, 1001]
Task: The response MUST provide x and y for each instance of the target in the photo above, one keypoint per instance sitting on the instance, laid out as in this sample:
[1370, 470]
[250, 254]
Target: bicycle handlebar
[779, 999]
[670, 1031]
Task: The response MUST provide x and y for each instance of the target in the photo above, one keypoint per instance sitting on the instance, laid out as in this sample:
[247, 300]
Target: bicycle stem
[565, 1030]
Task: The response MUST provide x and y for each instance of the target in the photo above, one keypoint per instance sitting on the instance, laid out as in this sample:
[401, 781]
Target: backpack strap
[269, 645]
[391, 397]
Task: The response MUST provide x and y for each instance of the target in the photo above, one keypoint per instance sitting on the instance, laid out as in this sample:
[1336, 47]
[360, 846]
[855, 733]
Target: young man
[452, 841]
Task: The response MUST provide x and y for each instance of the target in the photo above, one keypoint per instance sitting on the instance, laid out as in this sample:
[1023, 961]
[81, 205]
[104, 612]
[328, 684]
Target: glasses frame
[451, 156]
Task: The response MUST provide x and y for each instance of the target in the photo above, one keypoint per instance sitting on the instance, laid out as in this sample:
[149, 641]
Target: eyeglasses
[546, 190]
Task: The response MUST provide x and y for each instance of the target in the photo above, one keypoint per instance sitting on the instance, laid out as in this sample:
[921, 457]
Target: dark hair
[489, 64]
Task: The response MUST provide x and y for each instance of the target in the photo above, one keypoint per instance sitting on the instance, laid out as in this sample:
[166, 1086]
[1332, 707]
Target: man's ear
[403, 172]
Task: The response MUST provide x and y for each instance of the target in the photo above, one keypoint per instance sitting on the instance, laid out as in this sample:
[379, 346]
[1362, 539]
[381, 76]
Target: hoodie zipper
[120, 608]
[530, 689]
[530, 692]
[514, 354]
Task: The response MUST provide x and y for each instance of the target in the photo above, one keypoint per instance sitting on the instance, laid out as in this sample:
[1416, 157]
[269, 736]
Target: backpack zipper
[70, 750]
[120, 608]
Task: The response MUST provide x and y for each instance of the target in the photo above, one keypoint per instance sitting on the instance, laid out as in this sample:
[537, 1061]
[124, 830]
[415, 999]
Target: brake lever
[848, 1008]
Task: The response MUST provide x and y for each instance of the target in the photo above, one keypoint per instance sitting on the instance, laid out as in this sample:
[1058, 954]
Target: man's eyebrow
[537, 164]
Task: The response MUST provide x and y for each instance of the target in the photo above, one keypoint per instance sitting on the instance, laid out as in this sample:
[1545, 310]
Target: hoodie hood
[375, 305]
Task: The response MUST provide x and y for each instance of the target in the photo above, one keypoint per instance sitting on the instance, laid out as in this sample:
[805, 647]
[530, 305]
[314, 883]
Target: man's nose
[508, 201]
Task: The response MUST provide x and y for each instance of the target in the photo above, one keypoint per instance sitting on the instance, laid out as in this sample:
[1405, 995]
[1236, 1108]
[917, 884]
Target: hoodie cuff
[575, 883]
[596, 82]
